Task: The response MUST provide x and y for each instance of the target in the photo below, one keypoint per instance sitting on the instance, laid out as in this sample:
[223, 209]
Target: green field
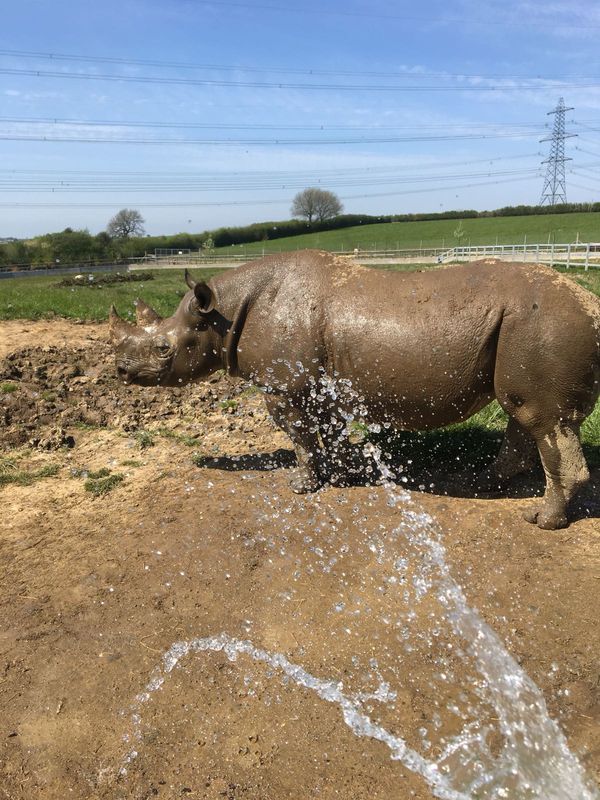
[439, 233]
[39, 298]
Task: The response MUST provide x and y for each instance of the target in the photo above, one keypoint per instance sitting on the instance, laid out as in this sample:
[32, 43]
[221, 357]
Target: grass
[438, 233]
[144, 439]
[11, 474]
[8, 388]
[200, 459]
[169, 433]
[102, 482]
[43, 298]
[85, 426]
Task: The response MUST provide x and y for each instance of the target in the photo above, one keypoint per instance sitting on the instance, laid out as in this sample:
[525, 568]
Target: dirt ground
[201, 536]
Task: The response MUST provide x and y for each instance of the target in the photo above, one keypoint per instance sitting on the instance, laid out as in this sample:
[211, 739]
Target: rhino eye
[163, 348]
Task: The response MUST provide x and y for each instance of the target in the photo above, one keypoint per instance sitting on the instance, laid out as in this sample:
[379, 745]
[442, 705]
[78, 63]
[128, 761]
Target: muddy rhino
[329, 340]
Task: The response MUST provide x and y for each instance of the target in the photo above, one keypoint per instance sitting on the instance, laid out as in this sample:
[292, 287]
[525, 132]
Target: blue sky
[396, 107]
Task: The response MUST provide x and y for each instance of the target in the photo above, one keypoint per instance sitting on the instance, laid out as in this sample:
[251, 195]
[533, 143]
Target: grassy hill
[440, 233]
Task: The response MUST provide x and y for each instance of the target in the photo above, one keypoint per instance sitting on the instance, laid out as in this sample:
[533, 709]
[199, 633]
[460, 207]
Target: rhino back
[419, 347]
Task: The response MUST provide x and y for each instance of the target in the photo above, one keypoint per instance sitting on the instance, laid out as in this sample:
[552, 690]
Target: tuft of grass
[10, 474]
[493, 417]
[144, 439]
[131, 462]
[7, 465]
[169, 433]
[86, 426]
[104, 484]
[249, 391]
[103, 472]
[199, 459]
[358, 432]
[7, 387]
[224, 405]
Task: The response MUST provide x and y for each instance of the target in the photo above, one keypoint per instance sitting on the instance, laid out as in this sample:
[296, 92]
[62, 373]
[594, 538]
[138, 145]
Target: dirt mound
[58, 387]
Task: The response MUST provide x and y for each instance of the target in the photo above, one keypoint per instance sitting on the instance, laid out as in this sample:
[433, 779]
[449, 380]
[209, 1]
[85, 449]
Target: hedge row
[77, 247]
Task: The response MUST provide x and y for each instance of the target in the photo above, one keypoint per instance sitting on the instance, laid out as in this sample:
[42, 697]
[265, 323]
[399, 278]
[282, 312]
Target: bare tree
[316, 204]
[125, 223]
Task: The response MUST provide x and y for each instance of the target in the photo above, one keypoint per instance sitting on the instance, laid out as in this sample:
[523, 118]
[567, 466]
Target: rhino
[330, 341]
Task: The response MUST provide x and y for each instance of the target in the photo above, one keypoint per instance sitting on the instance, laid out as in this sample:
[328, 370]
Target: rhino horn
[118, 327]
[144, 314]
[189, 280]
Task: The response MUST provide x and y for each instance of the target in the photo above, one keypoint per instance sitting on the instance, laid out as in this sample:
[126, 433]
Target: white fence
[583, 255]
[580, 254]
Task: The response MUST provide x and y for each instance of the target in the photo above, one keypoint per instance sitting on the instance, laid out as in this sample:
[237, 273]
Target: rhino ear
[145, 315]
[205, 297]
[189, 280]
[118, 327]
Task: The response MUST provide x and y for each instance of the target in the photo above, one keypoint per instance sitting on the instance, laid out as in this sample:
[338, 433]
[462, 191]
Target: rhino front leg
[302, 430]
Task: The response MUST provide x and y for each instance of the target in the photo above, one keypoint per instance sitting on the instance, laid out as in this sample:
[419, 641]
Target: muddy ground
[199, 536]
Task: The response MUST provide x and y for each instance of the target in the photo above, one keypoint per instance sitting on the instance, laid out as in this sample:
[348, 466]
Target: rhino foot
[304, 481]
[547, 520]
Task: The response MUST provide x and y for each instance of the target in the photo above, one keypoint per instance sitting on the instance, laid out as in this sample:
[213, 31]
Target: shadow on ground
[441, 462]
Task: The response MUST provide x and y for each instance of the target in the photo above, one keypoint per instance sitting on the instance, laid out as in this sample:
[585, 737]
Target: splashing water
[533, 761]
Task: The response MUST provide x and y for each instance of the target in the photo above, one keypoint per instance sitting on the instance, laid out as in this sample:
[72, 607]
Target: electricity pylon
[555, 190]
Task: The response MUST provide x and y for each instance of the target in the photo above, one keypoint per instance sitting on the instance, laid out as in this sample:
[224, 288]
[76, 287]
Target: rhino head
[171, 351]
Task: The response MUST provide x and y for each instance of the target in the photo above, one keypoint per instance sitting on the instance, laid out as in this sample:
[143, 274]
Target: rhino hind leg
[566, 473]
[518, 453]
[302, 431]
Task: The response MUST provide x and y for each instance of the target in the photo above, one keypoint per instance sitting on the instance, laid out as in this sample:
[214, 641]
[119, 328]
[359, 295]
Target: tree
[125, 223]
[316, 204]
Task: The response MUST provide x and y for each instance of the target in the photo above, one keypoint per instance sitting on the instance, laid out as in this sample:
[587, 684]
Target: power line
[585, 188]
[257, 185]
[38, 73]
[279, 174]
[255, 202]
[276, 141]
[408, 73]
[260, 126]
